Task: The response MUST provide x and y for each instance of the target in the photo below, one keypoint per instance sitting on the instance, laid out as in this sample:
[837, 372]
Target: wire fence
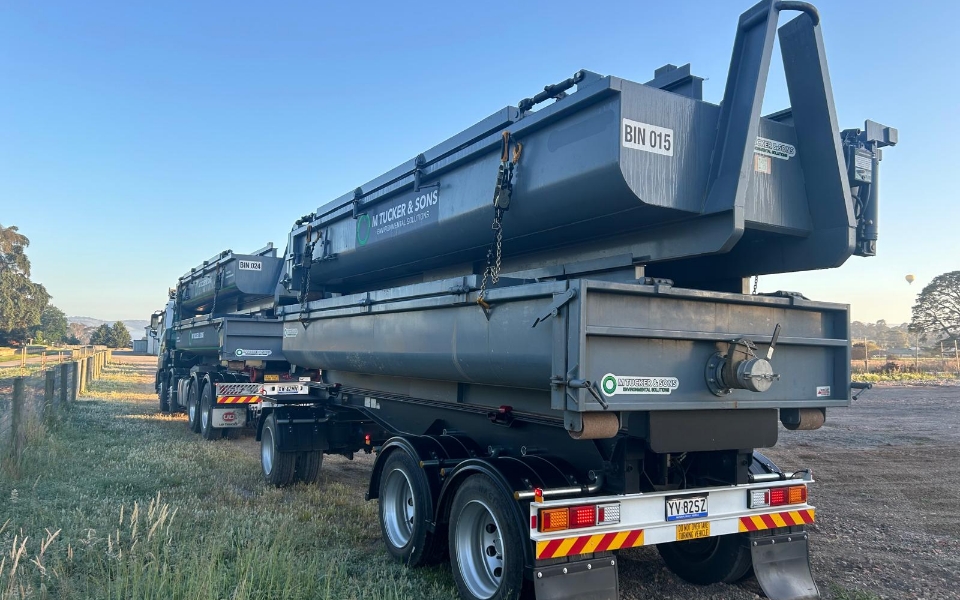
[947, 365]
[34, 401]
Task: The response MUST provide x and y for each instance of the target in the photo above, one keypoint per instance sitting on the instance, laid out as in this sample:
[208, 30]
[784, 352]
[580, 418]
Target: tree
[21, 300]
[80, 332]
[119, 336]
[858, 353]
[101, 335]
[937, 310]
[53, 325]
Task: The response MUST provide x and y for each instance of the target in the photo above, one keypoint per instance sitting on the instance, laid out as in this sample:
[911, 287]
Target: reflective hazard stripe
[775, 520]
[237, 399]
[585, 544]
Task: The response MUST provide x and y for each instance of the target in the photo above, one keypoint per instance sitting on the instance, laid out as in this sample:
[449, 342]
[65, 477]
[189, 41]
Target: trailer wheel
[308, 466]
[278, 467]
[207, 430]
[404, 498]
[193, 408]
[164, 401]
[485, 542]
[724, 558]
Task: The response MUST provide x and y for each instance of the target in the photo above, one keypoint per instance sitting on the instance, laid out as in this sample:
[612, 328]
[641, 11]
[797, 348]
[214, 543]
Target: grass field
[121, 502]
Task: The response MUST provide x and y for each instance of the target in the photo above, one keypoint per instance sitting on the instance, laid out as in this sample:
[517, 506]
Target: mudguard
[781, 564]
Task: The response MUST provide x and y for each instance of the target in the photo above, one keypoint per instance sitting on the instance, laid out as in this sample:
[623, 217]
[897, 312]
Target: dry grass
[120, 502]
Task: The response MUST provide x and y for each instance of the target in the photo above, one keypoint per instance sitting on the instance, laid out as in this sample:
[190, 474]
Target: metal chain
[501, 202]
[305, 280]
[756, 282]
[216, 291]
[494, 256]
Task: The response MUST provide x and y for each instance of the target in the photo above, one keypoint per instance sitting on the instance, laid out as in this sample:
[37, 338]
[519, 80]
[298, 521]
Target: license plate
[285, 389]
[686, 507]
[692, 531]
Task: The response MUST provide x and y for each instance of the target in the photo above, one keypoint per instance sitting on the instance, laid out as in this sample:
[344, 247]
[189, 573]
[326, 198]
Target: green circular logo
[609, 385]
[363, 229]
[239, 352]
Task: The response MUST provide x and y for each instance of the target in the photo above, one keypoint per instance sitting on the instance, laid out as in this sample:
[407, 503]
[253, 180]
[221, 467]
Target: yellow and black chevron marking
[589, 543]
[781, 519]
[237, 399]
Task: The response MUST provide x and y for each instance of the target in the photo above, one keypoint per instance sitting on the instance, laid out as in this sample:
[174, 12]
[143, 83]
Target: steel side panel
[224, 337]
[670, 333]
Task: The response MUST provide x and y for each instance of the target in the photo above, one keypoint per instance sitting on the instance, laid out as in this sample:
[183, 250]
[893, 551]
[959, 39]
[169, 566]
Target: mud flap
[591, 579]
[782, 566]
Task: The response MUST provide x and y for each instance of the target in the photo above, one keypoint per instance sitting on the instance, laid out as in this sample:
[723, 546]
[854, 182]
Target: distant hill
[135, 326]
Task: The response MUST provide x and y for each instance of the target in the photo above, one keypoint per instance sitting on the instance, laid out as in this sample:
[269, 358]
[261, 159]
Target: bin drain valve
[740, 368]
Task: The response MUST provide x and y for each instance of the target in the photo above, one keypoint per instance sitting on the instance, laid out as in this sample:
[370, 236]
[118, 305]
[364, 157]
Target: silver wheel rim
[204, 418]
[192, 409]
[398, 508]
[266, 450]
[479, 549]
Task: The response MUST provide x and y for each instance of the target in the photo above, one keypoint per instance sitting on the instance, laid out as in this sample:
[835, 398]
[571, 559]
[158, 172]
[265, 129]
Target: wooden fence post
[81, 377]
[64, 381]
[74, 380]
[16, 415]
[49, 396]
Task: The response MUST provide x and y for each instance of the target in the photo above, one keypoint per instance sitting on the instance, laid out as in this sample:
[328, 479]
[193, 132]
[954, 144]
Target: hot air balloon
[909, 278]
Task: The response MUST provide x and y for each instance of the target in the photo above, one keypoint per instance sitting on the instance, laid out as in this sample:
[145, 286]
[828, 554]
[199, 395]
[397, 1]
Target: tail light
[778, 496]
[577, 517]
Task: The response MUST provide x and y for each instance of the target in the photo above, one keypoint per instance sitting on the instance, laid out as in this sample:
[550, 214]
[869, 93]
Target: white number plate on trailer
[289, 388]
[686, 507]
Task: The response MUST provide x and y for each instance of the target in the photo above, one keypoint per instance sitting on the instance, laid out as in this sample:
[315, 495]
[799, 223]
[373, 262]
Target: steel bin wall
[606, 328]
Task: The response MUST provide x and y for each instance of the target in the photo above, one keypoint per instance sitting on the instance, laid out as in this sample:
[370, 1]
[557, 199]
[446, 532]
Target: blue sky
[138, 139]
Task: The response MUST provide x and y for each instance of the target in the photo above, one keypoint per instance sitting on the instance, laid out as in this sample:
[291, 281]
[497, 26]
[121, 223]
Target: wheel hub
[479, 549]
[266, 451]
[398, 508]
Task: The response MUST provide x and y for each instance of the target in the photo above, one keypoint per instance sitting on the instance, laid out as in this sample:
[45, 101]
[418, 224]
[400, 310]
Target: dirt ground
[887, 494]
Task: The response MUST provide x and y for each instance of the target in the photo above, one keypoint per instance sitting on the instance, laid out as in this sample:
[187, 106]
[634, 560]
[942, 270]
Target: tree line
[26, 314]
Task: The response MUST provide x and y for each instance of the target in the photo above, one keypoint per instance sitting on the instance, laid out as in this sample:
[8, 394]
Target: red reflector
[600, 514]
[533, 521]
[583, 516]
[778, 496]
[366, 439]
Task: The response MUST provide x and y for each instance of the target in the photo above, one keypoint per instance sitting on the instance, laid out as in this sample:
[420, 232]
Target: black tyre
[485, 542]
[207, 430]
[164, 395]
[308, 466]
[725, 558]
[404, 501]
[277, 467]
[193, 408]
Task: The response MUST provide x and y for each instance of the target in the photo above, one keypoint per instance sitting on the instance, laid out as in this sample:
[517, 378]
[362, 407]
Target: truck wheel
[308, 467]
[164, 400]
[725, 558]
[404, 497]
[193, 408]
[278, 467]
[207, 430]
[485, 542]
